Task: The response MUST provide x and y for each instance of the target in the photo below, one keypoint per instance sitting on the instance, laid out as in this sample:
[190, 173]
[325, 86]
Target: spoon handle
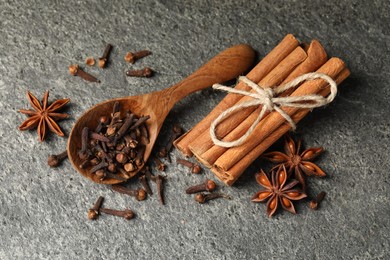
[227, 65]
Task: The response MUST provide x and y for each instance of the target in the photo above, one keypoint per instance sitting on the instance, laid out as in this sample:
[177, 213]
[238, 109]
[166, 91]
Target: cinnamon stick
[232, 174]
[316, 57]
[203, 142]
[268, 124]
[269, 62]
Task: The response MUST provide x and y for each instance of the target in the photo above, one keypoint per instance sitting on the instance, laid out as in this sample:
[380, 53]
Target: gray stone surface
[43, 211]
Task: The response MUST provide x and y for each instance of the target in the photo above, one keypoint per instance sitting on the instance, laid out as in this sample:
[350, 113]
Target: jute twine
[267, 97]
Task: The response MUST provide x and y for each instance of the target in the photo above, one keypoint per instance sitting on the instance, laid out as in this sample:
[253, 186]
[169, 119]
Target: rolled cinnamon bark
[340, 73]
[269, 62]
[203, 142]
[316, 57]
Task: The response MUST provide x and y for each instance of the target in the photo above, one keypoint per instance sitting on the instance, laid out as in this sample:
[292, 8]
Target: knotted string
[267, 97]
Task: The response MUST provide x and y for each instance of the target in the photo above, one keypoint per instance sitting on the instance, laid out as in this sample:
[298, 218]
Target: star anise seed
[43, 116]
[294, 161]
[277, 191]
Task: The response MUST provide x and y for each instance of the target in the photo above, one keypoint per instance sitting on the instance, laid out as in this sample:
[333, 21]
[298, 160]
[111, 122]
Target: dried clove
[126, 214]
[117, 151]
[99, 137]
[103, 60]
[144, 134]
[314, 204]
[203, 198]
[76, 71]
[145, 72]
[195, 168]
[139, 158]
[145, 184]
[160, 189]
[159, 164]
[208, 185]
[139, 194]
[90, 61]
[55, 160]
[84, 152]
[94, 212]
[133, 57]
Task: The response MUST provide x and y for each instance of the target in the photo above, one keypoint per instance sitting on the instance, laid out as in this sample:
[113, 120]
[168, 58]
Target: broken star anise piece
[298, 162]
[277, 191]
[43, 116]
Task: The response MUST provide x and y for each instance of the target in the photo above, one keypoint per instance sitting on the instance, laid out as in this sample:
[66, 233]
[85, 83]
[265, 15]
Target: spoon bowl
[225, 66]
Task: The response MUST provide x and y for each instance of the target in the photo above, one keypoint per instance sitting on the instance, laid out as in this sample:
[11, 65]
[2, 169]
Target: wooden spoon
[225, 66]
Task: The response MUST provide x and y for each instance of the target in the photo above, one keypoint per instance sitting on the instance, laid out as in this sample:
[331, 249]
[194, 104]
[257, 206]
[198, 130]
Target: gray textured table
[43, 211]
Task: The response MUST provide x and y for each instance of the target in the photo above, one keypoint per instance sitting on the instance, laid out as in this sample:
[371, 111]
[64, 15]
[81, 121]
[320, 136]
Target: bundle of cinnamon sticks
[288, 60]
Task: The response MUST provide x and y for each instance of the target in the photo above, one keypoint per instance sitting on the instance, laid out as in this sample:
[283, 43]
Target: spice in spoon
[116, 149]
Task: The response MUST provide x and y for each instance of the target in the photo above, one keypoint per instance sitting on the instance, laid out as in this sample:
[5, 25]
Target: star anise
[43, 116]
[299, 163]
[277, 191]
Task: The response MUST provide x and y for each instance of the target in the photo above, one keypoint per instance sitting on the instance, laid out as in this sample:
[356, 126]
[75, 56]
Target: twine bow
[267, 97]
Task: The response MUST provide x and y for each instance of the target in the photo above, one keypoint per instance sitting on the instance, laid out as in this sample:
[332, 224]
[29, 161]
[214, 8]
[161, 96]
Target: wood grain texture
[225, 66]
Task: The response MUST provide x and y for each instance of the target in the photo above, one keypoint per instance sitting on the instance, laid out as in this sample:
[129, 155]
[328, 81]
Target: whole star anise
[43, 116]
[294, 161]
[277, 191]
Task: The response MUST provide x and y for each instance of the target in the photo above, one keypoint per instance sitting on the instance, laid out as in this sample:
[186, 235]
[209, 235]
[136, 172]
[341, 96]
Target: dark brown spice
[75, 70]
[177, 131]
[126, 214]
[195, 168]
[99, 137]
[117, 151]
[203, 198]
[133, 57]
[145, 72]
[55, 160]
[139, 194]
[159, 164]
[94, 212]
[99, 166]
[103, 60]
[160, 188]
[208, 185]
[145, 184]
[314, 204]
[84, 152]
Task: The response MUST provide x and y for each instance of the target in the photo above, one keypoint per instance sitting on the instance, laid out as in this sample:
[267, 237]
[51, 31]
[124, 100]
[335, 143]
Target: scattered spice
[138, 194]
[208, 185]
[103, 60]
[294, 161]
[133, 57]
[115, 151]
[177, 131]
[159, 179]
[195, 168]
[75, 70]
[145, 184]
[94, 212]
[43, 116]
[145, 72]
[90, 61]
[203, 198]
[277, 191]
[55, 160]
[159, 164]
[126, 214]
[316, 202]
